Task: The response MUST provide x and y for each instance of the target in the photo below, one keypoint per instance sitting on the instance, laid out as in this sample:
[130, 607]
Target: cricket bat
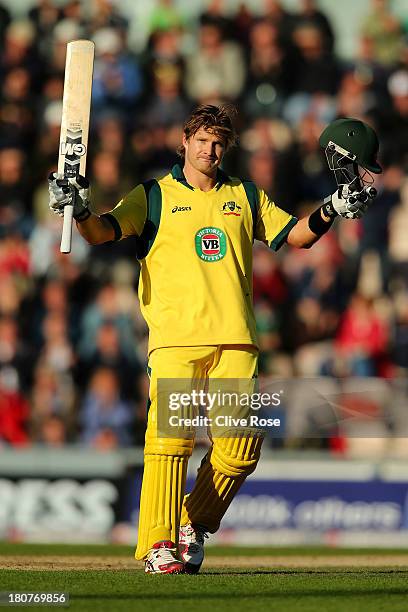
[76, 108]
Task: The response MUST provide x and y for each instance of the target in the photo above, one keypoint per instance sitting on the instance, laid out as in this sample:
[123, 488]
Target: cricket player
[195, 228]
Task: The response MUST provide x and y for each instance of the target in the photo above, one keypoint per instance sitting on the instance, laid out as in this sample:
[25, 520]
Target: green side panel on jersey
[151, 226]
[281, 237]
[251, 192]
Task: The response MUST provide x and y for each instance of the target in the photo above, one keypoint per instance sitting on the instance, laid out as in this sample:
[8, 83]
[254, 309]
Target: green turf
[328, 590]
[104, 550]
[233, 589]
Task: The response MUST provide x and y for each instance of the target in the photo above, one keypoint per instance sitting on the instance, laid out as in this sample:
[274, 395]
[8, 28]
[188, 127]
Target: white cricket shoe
[191, 547]
[162, 559]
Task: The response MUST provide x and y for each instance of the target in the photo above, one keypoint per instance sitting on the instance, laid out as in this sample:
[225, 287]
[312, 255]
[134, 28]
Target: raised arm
[301, 236]
[308, 230]
[96, 230]
[126, 219]
[63, 191]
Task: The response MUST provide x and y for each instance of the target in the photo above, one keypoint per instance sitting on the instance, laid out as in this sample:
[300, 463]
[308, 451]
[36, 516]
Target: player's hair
[215, 119]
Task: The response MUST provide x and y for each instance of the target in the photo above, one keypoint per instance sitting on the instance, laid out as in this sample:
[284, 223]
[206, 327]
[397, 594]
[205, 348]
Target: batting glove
[348, 204]
[73, 190]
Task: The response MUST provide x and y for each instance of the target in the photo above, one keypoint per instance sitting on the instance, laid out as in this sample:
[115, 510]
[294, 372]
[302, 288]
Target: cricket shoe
[162, 559]
[191, 547]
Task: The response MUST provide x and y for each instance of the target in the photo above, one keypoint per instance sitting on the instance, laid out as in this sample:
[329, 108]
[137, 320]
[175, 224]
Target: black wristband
[317, 224]
[328, 208]
[83, 215]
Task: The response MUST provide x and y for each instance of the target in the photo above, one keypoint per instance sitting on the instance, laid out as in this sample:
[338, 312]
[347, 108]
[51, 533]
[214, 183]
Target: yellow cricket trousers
[163, 503]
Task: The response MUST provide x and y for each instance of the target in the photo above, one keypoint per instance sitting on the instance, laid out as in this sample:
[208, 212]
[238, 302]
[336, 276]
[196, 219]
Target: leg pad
[219, 478]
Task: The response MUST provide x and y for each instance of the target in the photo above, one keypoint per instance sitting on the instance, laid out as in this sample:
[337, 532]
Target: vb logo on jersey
[210, 244]
[231, 208]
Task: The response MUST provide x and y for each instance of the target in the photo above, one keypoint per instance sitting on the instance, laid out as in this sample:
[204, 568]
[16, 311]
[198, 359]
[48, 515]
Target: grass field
[233, 579]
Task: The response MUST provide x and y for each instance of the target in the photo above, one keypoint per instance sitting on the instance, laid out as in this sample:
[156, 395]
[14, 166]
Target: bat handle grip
[66, 238]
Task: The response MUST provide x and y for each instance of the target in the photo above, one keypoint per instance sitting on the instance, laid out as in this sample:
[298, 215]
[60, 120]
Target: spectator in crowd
[18, 107]
[310, 13]
[52, 397]
[107, 185]
[19, 50]
[270, 71]
[15, 356]
[57, 351]
[164, 47]
[105, 14]
[398, 245]
[10, 297]
[375, 229]
[270, 298]
[14, 258]
[105, 418]
[384, 29]
[274, 12]
[14, 410]
[44, 16]
[215, 13]
[106, 307]
[369, 70]
[314, 176]
[393, 119]
[4, 22]
[216, 71]
[167, 105]
[64, 31]
[362, 338]
[15, 194]
[262, 168]
[354, 98]
[165, 16]
[52, 434]
[110, 136]
[400, 332]
[318, 70]
[241, 24]
[117, 80]
[109, 353]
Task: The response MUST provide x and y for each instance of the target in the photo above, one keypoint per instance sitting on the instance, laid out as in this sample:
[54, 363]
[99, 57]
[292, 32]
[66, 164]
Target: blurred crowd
[72, 341]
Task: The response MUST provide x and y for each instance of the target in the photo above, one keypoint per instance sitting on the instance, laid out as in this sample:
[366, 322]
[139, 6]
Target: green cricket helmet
[354, 139]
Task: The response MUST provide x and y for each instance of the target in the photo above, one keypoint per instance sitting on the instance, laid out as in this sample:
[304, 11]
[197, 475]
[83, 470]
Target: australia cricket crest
[231, 208]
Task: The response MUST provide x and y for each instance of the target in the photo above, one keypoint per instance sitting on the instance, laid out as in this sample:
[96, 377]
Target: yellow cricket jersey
[195, 251]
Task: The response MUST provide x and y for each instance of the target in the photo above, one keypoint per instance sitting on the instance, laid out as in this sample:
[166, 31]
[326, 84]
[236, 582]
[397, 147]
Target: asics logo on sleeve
[180, 209]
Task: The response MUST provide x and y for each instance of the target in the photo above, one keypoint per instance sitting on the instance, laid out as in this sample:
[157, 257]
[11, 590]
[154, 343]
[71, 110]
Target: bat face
[76, 108]
[72, 149]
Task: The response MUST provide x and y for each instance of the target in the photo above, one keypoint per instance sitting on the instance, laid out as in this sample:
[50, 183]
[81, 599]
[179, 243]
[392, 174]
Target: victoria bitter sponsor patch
[210, 244]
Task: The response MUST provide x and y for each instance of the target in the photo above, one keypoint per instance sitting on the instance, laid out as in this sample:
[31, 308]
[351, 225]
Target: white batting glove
[348, 205]
[63, 190]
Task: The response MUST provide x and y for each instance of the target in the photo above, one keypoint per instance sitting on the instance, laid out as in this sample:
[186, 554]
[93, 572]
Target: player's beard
[208, 167]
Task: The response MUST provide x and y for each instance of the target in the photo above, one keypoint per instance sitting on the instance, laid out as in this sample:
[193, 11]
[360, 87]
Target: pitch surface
[107, 578]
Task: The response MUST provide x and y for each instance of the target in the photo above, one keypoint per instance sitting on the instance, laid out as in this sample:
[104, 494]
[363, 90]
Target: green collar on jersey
[178, 174]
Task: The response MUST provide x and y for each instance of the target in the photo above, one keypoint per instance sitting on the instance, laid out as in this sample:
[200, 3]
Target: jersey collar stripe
[178, 174]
